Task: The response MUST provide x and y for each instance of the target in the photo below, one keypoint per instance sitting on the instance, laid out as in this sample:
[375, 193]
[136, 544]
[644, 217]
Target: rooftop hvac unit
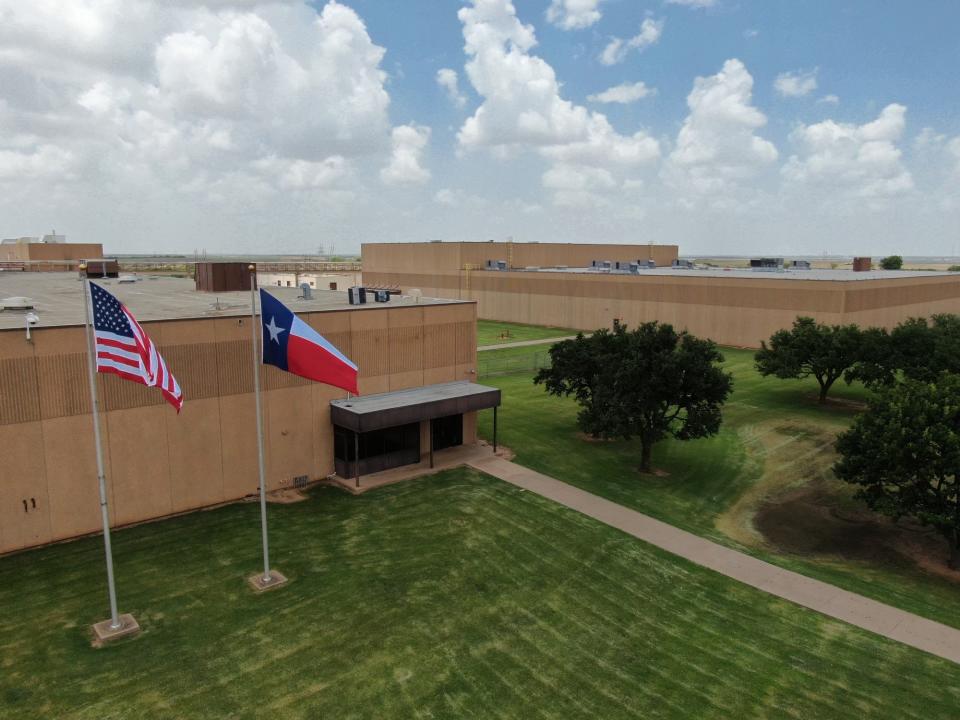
[381, 296]
[501, 264]
[307, 291]
[357, 295]
[101, 268]
[218, 276]
[17, 302]
[801, 264]
[682, 264]
[766, 264]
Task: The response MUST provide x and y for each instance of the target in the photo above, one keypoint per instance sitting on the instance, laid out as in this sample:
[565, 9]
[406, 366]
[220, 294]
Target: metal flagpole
[267, 579]
[115, 623]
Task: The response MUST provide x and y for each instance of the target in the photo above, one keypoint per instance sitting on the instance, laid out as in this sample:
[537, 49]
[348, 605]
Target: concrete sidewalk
[525, 343]
[899, 625]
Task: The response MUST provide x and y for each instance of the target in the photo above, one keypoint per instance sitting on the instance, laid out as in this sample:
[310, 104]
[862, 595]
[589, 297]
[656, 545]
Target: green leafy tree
[917, 348]
[904, 454]
[892, 262]
[811, 349]
[650, 383]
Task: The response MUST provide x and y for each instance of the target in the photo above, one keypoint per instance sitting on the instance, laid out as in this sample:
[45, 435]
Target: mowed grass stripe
[453, 596]
[707, 477]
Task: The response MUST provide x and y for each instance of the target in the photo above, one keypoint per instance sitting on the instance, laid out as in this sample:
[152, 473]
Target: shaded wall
[447, 269]
[731, 310]
[158, 463]
[51, 251]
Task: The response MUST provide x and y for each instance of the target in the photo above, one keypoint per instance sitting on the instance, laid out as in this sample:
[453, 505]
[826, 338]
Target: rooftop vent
[682, 264]
[769, 264]
[801, 264]
[307, 291]
[17, 302]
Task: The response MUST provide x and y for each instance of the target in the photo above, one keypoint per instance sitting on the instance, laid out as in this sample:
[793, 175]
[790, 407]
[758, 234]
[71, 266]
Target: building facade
[733, 307]
[57, 256]
[159, 463]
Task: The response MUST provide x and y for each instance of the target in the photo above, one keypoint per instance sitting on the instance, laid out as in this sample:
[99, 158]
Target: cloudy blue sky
[725, 126]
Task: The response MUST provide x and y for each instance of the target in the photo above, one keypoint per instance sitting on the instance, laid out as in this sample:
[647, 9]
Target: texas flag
[292, 345]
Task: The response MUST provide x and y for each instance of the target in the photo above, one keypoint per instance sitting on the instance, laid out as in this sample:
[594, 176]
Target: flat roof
[57, 297]
[373, 412]
[842, 275]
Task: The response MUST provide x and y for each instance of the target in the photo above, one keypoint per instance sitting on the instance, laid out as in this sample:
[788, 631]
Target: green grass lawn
[455, 596]
[775, 438]
[490, 332]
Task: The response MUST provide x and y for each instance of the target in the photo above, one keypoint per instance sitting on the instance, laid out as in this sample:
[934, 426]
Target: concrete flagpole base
[260, 584]
[103, 633]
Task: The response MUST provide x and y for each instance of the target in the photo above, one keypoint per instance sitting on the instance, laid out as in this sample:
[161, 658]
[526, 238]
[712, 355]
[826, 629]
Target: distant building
[45, 253]
[316, 281]
[586, 287]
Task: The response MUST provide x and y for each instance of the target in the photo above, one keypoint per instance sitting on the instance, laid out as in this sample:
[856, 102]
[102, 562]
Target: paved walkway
[525, 343]
[863, 612]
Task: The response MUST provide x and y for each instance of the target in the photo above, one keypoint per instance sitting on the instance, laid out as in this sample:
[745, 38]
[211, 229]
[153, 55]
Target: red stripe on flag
[314, 363]
[106, 355]
[125, 375]
[108, 342]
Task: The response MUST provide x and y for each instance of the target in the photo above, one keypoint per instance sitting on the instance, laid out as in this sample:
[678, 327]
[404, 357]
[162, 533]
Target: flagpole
[114, 626]
[268, 579]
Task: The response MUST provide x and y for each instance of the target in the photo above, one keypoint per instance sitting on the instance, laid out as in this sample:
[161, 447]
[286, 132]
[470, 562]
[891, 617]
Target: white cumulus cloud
[191, 102]
[523, 108]
[409, 142]
[795, 84]
[624, 93]
[617, 49]
[718, 149]
[450, 81]
[853, 160]
[574, 14]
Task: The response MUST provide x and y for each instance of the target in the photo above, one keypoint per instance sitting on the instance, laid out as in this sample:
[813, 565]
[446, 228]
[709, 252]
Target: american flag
[124, 349]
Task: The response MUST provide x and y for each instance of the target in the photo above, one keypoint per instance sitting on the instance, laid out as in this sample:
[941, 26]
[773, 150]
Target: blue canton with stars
[276, 321]
[108, 316]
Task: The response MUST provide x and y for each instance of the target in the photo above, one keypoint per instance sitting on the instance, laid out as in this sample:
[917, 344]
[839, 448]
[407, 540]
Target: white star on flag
[275, 331]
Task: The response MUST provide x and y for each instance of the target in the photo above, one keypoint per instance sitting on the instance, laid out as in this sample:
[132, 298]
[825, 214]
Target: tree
[917, 348]
[650, 383]
[825, 352]
[892, 262]
[904, 454]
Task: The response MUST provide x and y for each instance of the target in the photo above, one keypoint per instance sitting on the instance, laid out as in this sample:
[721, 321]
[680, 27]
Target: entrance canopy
[375, 412]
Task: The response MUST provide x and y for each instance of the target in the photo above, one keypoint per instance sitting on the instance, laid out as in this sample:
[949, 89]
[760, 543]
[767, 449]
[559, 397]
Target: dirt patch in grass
[857, 405]
[587, 437]
[816, 520]
[656, 472]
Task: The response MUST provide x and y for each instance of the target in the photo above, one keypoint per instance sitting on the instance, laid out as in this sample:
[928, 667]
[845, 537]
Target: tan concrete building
[159, 463]
[733, 307]
[59, 256]
[447, 269]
